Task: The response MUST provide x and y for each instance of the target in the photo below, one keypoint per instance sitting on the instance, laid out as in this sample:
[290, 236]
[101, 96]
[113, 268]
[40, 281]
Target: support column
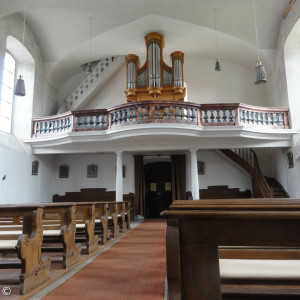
[119, 177]
[194, 175]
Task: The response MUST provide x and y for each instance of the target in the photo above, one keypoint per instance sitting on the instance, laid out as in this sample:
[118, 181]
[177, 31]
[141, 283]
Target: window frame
[6, 117]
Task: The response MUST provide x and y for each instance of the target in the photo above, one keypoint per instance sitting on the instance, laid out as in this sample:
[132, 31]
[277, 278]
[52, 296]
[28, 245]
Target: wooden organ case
[155, 80]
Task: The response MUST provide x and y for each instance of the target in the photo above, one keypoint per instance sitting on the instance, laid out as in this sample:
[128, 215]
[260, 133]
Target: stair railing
[247, 159]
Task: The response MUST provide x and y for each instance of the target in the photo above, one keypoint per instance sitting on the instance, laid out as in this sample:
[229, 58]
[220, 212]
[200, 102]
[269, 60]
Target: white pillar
[119, 177]
[188, 173]
[194, 175]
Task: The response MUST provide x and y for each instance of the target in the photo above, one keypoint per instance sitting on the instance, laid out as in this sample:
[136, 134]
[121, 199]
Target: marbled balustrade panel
[130, 115]
[53, 126]
[231, 114]
[218, 116]
[175, 113]
[274, 119]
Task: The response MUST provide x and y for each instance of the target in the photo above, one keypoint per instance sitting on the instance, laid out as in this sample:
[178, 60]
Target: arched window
[21, 116]
[7, 92]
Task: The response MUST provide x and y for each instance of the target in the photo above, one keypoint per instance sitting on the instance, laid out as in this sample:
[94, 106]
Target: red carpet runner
[134, 269]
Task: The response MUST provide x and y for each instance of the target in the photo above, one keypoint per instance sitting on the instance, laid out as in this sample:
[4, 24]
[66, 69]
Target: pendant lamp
[218, 65]
[20, 84]
[260, 75]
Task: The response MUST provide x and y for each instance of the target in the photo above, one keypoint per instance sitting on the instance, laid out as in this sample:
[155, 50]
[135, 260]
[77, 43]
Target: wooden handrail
[247, 159]
[260, 186]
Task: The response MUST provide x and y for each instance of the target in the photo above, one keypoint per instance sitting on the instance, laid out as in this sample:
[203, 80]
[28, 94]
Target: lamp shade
[20, 87]
[218, 66]
[89, 69]
[260, 75]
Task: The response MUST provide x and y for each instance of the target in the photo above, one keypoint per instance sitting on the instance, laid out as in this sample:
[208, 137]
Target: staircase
[103, 70]
[277, 189]
[262, 186]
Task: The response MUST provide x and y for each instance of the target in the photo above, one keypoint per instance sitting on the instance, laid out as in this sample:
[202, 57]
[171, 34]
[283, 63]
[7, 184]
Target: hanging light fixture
[217, 66]
[20, 84]
[89, 66]
[260, 75]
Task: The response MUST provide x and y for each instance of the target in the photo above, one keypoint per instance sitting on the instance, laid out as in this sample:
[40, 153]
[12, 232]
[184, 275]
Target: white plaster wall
[44, 95]
[280, 165]
[292, 64]
[264, 156]
[106, 177]
[20, 186]
[231, 85]
[204, 85]
[112, 93]
[15, 157]
[289, 178]
[285, 29]
[221, 171]
[40, 96]
[218, 171]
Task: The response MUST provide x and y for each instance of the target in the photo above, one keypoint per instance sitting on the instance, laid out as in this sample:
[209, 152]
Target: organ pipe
[155, 79]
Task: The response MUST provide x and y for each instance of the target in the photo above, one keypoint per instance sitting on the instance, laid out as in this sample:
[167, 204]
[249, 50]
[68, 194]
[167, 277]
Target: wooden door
[158, 188]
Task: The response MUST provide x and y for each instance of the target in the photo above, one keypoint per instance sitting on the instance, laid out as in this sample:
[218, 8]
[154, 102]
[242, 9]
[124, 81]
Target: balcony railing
[225, 114]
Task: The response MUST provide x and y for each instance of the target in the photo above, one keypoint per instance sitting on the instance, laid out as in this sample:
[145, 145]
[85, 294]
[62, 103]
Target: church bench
[113, 218]
[59, 220]
[93, 195]
[195, 230]
[35, 269]
[118, 213]
[86, 216]
[101, 221]
[128, 208]
[223, 192]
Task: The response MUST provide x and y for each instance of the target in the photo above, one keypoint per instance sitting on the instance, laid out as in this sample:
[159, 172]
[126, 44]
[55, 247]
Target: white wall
[45, 96]
[289, 178]
[112, 93]
[15, 157]
[106, 172]
[204, 85]
[233, 84]
[20, 186]
[218, 170]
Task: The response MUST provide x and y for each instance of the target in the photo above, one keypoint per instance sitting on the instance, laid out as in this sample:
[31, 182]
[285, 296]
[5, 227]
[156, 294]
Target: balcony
[170, 122]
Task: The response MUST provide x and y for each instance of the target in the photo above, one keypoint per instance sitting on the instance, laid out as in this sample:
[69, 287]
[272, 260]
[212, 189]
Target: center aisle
[134, 268]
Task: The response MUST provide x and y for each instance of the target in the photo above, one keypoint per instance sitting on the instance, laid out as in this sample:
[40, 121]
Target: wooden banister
[247, 159]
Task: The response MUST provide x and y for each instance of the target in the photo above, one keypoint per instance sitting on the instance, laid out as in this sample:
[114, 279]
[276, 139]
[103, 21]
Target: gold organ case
[155, 80]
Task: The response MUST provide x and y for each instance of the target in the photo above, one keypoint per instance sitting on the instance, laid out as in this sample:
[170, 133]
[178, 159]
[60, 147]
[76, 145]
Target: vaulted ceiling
[118, 28]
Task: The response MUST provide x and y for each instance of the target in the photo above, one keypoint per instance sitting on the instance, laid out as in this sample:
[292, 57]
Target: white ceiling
[118, 28]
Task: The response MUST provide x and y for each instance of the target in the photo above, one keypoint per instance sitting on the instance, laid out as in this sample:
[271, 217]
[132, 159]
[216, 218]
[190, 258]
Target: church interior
[177, 119]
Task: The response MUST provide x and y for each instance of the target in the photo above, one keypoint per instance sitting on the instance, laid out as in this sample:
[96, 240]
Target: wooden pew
[101, 222]
[223, 192]
[113, 222]
[91, 195]
[85, 225]
[94, 195]
[60, 218]
[119, 213]
[195, 230]
[35, 269]
[118, 217]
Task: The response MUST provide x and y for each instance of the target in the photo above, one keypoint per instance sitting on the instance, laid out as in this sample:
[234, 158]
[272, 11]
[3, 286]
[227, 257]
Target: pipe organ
[155, 80]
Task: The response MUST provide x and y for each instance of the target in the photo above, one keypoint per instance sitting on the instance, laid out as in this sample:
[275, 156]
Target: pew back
[195, 230]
